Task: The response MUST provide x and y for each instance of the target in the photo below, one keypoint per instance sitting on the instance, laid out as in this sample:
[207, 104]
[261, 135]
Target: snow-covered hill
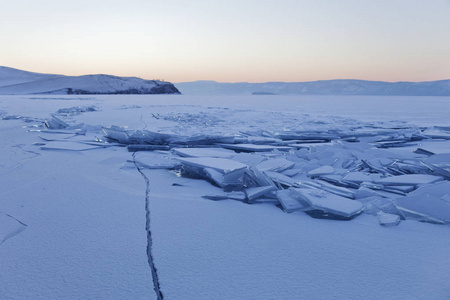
[322, 87]
[10, 76]
[13, 81]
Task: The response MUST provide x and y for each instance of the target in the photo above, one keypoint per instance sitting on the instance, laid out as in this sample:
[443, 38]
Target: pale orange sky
[230, 41]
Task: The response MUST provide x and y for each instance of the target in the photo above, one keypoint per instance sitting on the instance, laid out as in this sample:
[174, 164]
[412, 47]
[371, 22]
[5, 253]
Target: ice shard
[282, 179]
[49, 137]
[440, 160]
[136, 148]
[240, 196]
[375, 205]
[275, 165]
[222, 165]
[323, 170]
[255, 148]
[155, 160]
[117, 134]
[69, 146]
[331, 203]
[200, 140]
[215, 176]
[255, 192]
[291, 201]
[251, 159]
[223, 172]
[257, 178]
[388, 220]
[292, 172]
[325, 186]
[439, 189]
[438, 170]
[55, 123]
[204, 152]
[409, 179]
[424, 207]
[357, 177]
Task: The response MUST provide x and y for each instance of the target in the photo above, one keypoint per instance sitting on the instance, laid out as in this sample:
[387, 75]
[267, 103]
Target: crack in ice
[151, 263]
[10, 227]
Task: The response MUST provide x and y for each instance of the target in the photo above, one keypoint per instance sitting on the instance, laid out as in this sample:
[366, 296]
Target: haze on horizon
[230, 41]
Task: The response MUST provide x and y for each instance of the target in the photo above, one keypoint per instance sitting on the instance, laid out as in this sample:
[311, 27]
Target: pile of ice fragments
[395, 173]
[392, 172]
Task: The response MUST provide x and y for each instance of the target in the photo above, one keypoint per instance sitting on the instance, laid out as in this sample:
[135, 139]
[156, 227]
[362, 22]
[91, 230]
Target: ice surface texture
[335, 172]
[85, 210]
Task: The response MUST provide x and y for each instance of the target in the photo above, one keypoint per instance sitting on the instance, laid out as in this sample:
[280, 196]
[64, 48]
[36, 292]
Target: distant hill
[16, 82]
[322, 87]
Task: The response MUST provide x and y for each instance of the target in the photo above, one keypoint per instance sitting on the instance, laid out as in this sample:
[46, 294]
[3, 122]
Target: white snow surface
[10, 76]
[83, 212]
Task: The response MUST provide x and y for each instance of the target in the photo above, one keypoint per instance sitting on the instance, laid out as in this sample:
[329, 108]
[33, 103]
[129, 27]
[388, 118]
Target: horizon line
[234, 82]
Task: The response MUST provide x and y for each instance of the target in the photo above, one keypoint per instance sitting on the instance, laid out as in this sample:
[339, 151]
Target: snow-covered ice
[79, 207]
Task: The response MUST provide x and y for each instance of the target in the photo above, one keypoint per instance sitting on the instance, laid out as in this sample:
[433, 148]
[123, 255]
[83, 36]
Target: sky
[230, 40]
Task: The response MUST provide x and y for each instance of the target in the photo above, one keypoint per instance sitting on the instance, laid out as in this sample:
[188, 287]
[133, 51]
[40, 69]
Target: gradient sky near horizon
[230, 40]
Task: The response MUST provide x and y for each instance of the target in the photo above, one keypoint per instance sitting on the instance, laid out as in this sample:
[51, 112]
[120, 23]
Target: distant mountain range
[322, 87]
[16, 82]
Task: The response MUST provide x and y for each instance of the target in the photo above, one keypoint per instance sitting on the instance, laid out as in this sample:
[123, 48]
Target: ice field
[224, 197]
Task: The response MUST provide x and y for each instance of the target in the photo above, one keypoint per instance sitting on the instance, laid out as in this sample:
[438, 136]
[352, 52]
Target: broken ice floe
[323, 170]
[221, 171]
[204, 152]
[227, 196]
[425, 207]
[70, 146]
[333, 174]
[155, 160]
[59, 136]
[330, 203]
[77, 110]
[55, 123]
[5, 116]
[409, 179]
[255, 147]
[150, 138]
[392, 172]
[292, 201]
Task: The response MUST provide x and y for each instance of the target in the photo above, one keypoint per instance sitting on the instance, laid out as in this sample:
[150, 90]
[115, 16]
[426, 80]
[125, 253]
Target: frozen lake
[73, 211]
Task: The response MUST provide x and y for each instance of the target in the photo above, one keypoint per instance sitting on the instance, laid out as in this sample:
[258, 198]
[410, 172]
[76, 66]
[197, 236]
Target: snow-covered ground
[73, 222]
